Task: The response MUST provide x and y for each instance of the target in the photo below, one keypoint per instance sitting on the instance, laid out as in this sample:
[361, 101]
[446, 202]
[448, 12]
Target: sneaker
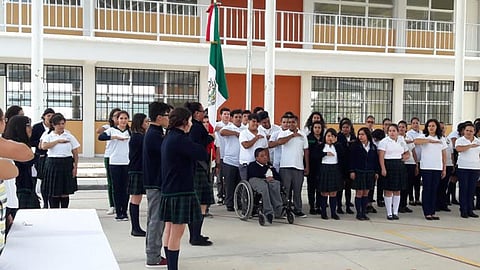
[124, 218]
[161, 264]
[111, 211]
[300, 214]
[220, 201]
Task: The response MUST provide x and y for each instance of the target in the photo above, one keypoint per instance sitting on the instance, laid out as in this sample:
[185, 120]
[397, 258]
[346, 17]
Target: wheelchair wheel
[243, 200]
[290, 217]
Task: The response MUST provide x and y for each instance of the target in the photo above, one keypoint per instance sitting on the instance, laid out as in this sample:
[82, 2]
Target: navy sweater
[315, 155]
[37, 131]
[135, 152]
[254, 169]
[179, 155]
[359, 159]
[199, 134]
[341, 156]
[151, 153]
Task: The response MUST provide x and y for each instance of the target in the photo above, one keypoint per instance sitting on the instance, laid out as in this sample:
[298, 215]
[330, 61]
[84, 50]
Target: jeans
[155, 227]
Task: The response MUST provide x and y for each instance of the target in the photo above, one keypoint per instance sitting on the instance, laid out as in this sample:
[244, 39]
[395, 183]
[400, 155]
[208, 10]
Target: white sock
[396, 204]
[388, 205]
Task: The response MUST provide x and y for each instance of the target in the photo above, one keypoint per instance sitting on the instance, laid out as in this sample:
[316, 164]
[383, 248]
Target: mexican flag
[217, 84]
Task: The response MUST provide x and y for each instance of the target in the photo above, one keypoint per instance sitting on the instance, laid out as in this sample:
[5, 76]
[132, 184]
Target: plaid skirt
[203, 187]
[58, 177]
[364, 180]
[135, 183]
[329, 178]
[180, 208]
[40, 166]
[27, 199]
[396, 178]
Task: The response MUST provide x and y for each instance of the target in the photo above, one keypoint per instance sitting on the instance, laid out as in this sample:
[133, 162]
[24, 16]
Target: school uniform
[417, 183]
[231, 163]
[345, 182]
[179, 203]
[468, 173]
[247, 155]
[27, 197]
[106, 164]
[269, 132]
[59, 165]
[410, 169]
[431, 166]
[395, 179]
[270, 190]
[135, 166]
[220, 144]
[118, 164]
[312, 178]
[277, 150]
[442, 197]
[40, 155]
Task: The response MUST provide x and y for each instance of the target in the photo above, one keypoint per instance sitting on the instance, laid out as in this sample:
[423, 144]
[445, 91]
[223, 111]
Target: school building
[344, 58]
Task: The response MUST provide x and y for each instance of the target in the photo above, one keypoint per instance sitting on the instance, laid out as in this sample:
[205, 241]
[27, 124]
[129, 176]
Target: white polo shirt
[120, 149]
[219, 139]
[247, 155]
[277, 150]
[269, 132]
[410, 147]
[292, 151]
[432, 153]
[330, 159]
[231, 146]
[412, 134]
[449, 151]
[61, 149]
[393, 149]
[469, 159]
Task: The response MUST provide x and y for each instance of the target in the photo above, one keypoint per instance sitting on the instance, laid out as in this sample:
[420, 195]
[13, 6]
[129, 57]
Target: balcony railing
[154, 20]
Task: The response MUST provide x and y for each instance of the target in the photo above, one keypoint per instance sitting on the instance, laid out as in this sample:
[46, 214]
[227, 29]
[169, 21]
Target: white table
[57, 239]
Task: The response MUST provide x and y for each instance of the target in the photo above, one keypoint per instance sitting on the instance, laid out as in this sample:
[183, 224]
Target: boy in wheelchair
[264, 179]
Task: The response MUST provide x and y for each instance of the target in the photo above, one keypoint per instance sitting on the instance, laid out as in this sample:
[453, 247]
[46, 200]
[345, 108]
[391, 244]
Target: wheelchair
[248, 203]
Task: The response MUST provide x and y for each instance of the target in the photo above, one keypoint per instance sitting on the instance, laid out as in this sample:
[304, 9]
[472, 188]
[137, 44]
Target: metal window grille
[470, 86]
[133, 89]
[63, 88]
[355, 98]
[3, 70]
[171, 6]
[428, 99]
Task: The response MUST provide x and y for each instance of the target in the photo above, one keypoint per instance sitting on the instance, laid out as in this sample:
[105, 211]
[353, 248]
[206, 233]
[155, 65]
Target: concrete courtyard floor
[310, 243]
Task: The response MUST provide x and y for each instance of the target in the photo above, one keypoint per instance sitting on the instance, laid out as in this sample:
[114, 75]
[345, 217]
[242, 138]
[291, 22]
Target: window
[3, 70]
[62, 89]
[179, 7]
[355, 11]
[430, 14]
[133, 89]
[428, 99]
[470, 86]
[355, 98]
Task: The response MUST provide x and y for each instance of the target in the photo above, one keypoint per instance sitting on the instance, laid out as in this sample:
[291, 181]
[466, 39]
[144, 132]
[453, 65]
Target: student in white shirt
[295, 143]
[468, 171]
[225, 116]
[433, 165]
[411, 166]
[269, 129]
[413, 133]
[250, 139]
[119, 137]
[61, 164]
[230, 162]
[442, 194]
[273, 142]
[391, 152]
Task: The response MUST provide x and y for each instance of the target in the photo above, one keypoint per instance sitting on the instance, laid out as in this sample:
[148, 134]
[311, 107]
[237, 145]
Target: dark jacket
[255, 169]
[199, 134]
[359, 159]
[315, 155]
[179, 155]
[37, 131]
[151, 157]
[135, 152]
[341, 156]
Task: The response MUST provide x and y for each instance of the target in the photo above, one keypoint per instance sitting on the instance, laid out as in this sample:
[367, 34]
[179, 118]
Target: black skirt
[180, 208]
[40, 166]
[329, 178]
[396, 179]
[59, 179]
[27, 199]
[363, 180]
[135, 183]
[203, 187]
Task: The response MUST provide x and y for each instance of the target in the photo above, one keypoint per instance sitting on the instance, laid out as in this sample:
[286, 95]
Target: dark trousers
[431, 178]
[231, 177]
[111, 202]
[220, 181]
[442, 197]
[410, 179]
[119, 174]
[380, 181]
[467, 180]
[414, 193]
[313, 192]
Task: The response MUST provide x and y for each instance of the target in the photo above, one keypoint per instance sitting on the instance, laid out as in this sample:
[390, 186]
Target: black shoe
[318, 211]
[365, 217]
[138, 233]
[230, 209]
[360, 217]
[381, 204]
[202, 242]
[349, 204]
[336, 217]
[270, 218]
[418, 203]
[349, 211]
[464, 215]
[477, 207]
[412, 203]
[313, 211]
[299, 214]
[407, 210]
[446, 209]
[371, 209]
[390, 217]
[204, 237]
[472, 215]
[324, 216]
[340, 211]
[428, 218]
[435, 218]
[395, 217]
[454, 201]
[401, 210]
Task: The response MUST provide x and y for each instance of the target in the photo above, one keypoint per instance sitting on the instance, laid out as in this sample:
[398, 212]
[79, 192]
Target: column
[89, 18]
[460, 21]
[2, 17]
[3, 92]
[202, 6]
[89, 135]
[308, 24]
[305, 97]
[37, 58]
[269, 99]
[203, 91]
[248, 90]
[397, 100]
[400, 24]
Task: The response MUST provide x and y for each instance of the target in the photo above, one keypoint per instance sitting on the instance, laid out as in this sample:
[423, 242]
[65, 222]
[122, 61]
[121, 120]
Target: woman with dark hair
[112, 122]
[203, 187]
[364, 169]
[12, 111]
[391, 152]
[433, 165]
[135, 171]
[346, 136]
[468, 147]
[315, 138]
[61, 165]
[19, 129]
[119, 137]
[179, 204]
[314, 117]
